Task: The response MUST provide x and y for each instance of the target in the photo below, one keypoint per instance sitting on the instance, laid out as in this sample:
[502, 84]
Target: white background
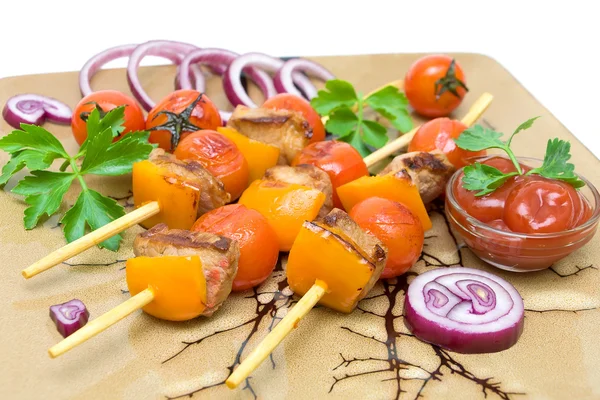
[552, 48]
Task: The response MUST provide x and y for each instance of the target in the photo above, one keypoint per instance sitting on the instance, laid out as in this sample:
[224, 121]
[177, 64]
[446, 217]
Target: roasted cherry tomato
[438, 134]
[286, 101]
[540, 205]
[220, 156]
[104, 101]
[258, 243]
[340, 160]
[397, 227]
[179, 114]
[435, 85]
[491, 206]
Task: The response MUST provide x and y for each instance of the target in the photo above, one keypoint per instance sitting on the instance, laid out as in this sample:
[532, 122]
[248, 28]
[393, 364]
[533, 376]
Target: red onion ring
[34, 109]
[464, 310]
[283, 79]
[161, 48]
[233, 85]
[69, 317]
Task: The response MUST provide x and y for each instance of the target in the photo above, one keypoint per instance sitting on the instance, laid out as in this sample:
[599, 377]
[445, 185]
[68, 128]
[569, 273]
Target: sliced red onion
[284, 82]
[464, 310]
[69, 316]
[174, 51]
[35, 109]
[232, 82]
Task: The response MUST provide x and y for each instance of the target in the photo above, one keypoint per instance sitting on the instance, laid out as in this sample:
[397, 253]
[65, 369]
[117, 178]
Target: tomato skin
[420, 86]
[107, 100]
[286, 101]
[397, 227]
[438, 134]
[259, 248]
[540, 205]
[491, 206]
[342, 162]
[204, 116]
[220, 156]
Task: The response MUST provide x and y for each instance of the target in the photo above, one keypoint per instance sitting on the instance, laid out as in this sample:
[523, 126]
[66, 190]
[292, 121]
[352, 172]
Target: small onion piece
[232, 82]
[69, 316]
[284, 77]
[174, 51]
[464, 310]
[34, 109]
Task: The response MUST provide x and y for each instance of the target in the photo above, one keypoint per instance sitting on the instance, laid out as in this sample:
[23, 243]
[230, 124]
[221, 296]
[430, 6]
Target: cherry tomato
[341, 161]
[435, 85]
[438, 134]
[286, 101]
[104, 101]
[540, 205]
[220, 156]
[397, 227]
[179, 114]
[491, 206]
[258, 243]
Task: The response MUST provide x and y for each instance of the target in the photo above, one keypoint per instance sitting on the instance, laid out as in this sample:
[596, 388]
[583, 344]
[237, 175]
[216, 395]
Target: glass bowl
[520, 252]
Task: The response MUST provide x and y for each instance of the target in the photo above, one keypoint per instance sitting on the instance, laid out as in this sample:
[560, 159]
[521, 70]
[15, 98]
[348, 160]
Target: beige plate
[363, 355]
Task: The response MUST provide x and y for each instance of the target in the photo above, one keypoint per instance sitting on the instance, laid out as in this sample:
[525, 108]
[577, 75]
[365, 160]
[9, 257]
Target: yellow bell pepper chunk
[388, 187]
[285, 205]
[177, 282]
[178, 200]
[260, 156]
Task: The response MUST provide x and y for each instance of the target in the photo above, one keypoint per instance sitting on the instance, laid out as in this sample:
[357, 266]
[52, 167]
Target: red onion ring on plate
[161, 48]
[34, 109]
[464, 310]
[232, 83]
[284, 82]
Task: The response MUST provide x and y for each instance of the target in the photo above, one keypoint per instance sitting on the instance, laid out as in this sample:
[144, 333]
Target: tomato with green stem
[104, 101]
[179, 114]
[435, 85]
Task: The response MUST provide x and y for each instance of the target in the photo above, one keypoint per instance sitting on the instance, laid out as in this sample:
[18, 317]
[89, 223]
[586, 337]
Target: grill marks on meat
[219, 256]
[285, 129]
[306, 175]
[212, 191]
[428, 171]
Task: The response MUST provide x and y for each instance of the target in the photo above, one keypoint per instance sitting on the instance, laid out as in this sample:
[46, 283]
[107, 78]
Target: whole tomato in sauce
[439, 134]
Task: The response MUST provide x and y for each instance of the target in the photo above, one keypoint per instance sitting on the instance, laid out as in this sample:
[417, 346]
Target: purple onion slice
[34, 109]
[69, 316]
[284, 82]
[464, 310]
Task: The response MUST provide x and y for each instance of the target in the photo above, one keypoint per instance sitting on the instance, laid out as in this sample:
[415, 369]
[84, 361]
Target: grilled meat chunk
[429, 172]
[285, 129]
[306, 175]
[212, 191]
[219, 256]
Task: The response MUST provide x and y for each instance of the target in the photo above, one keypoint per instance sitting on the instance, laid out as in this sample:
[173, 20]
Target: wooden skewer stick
[101, 323]
[476, 111]
[399, 84]
[281, 330]
[92, 239]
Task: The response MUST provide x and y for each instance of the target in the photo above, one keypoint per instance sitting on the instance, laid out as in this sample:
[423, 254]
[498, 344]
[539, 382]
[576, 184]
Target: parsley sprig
[345, 109]
[486, 179]
[36, 149]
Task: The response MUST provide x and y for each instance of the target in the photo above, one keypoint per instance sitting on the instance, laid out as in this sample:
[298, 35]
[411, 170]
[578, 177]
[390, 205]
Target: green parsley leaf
[113, 120]
[33, 137]
[32, 159]
[44, 191]
[484, 178]
[525, 125]
[555, 165]
[342, 122]
[374, 134]
[478, 138]
[118, 157]
[392, 104]
[357, 142]
[337, 93]
[92, 210]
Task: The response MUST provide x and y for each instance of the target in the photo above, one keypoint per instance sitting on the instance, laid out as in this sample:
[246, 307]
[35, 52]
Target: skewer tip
[26, 274]
[230, 384]
[52, 354]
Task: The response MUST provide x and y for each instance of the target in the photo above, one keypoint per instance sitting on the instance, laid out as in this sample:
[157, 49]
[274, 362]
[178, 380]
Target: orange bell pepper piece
[285, 205]
[349, 266]
[178, 200]
[389, 187]
[177, 282]
[260, 156]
